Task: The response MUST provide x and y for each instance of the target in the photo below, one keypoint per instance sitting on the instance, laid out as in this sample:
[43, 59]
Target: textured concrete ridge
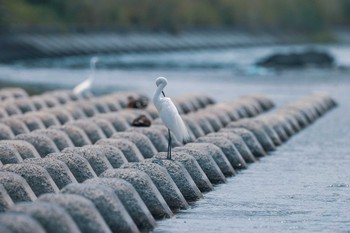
[95, 172]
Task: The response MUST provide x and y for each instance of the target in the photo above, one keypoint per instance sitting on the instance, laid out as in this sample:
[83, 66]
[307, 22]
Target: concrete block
[107, 203]
[17, 187]
[77, 164]
[57, 169]
[129, 149]
[82, 210]
[36, 176]
[20, 223]
[146, 189]
[43, 144]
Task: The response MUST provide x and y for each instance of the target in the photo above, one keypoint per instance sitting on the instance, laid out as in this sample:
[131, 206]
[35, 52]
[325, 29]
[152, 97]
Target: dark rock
[107, 203]
[181, 177]
[52, 217]
[43, 144]
[163, 182]
[17, 187]
[82, 210]
[131, 201]
[20, 223]
[96, 158]
[145, 187]
[36, 176]
[141, 121]
[193, 168]
[57, 169]
[298, 59]
[128, 148]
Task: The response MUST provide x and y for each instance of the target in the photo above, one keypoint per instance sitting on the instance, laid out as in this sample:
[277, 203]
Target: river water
[304, 186]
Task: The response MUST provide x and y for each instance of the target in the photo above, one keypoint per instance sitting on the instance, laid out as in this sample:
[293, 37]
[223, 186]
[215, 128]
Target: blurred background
[42, 39]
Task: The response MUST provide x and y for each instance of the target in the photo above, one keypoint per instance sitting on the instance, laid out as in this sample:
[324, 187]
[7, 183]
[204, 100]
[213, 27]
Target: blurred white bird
[86, 84]
[169, 114]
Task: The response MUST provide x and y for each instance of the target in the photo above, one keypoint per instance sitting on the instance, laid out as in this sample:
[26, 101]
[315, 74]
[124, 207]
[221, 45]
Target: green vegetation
[174, 15]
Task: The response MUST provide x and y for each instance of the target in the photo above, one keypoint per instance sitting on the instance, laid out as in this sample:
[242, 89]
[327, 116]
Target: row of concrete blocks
[89, 131]
[11, 93]
[189, 196]
[20, 124]
[100, 196]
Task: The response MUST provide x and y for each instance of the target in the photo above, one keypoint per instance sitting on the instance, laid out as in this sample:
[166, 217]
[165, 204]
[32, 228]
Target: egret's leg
[169, 145]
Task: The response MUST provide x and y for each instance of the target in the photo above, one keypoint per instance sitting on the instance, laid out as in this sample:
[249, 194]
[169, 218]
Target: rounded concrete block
[76, 112]
[129, 149]
[17, 126]
[213, 120]
[207, 163]
[193, 127]
[257, 130]
[25, 149]
[11, 109]
[25, 105]
[229, 150]
[38, 102]
[146, 189]
[76, 134]
[9, 154]
[51, 217]
[88, 108]
[82, 210]
[238, 143]
[60, 138]
[217, 154]
[158, 140]
[77, 164]
[193, 168]
[43, 144]
[270, 132]
[250, 140]
[31, 122]
[113, 154]
[112, 105]
[90, 128]
[144, 145]
[17, 187]
[6, 132]
[107, 203]
[163, 182]
[203, 123]
[96, 158]
[4, 229]
[57, 169]
[131, 201]
[100, 106]
[36, 176]
[164, 131]
[5, 199]
[181, 177]
[62, 115]
[46, 118]
[20, 223]
[119, 123]
[106, 126]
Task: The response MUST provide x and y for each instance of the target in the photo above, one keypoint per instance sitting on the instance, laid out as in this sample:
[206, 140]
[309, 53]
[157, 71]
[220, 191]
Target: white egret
[169, 114]
[86, 84]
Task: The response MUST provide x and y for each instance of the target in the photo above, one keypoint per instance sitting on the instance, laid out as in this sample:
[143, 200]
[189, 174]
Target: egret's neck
[158, 94]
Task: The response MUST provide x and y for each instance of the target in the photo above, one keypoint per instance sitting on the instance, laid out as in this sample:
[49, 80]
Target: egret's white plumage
[168, 112]
[86, 84]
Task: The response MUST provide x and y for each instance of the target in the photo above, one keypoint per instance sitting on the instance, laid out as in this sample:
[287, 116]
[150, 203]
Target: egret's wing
[83, 86]
[172, 119]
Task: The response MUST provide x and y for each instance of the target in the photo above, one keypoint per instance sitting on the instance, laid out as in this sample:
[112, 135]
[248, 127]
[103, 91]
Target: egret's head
[161, 80]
